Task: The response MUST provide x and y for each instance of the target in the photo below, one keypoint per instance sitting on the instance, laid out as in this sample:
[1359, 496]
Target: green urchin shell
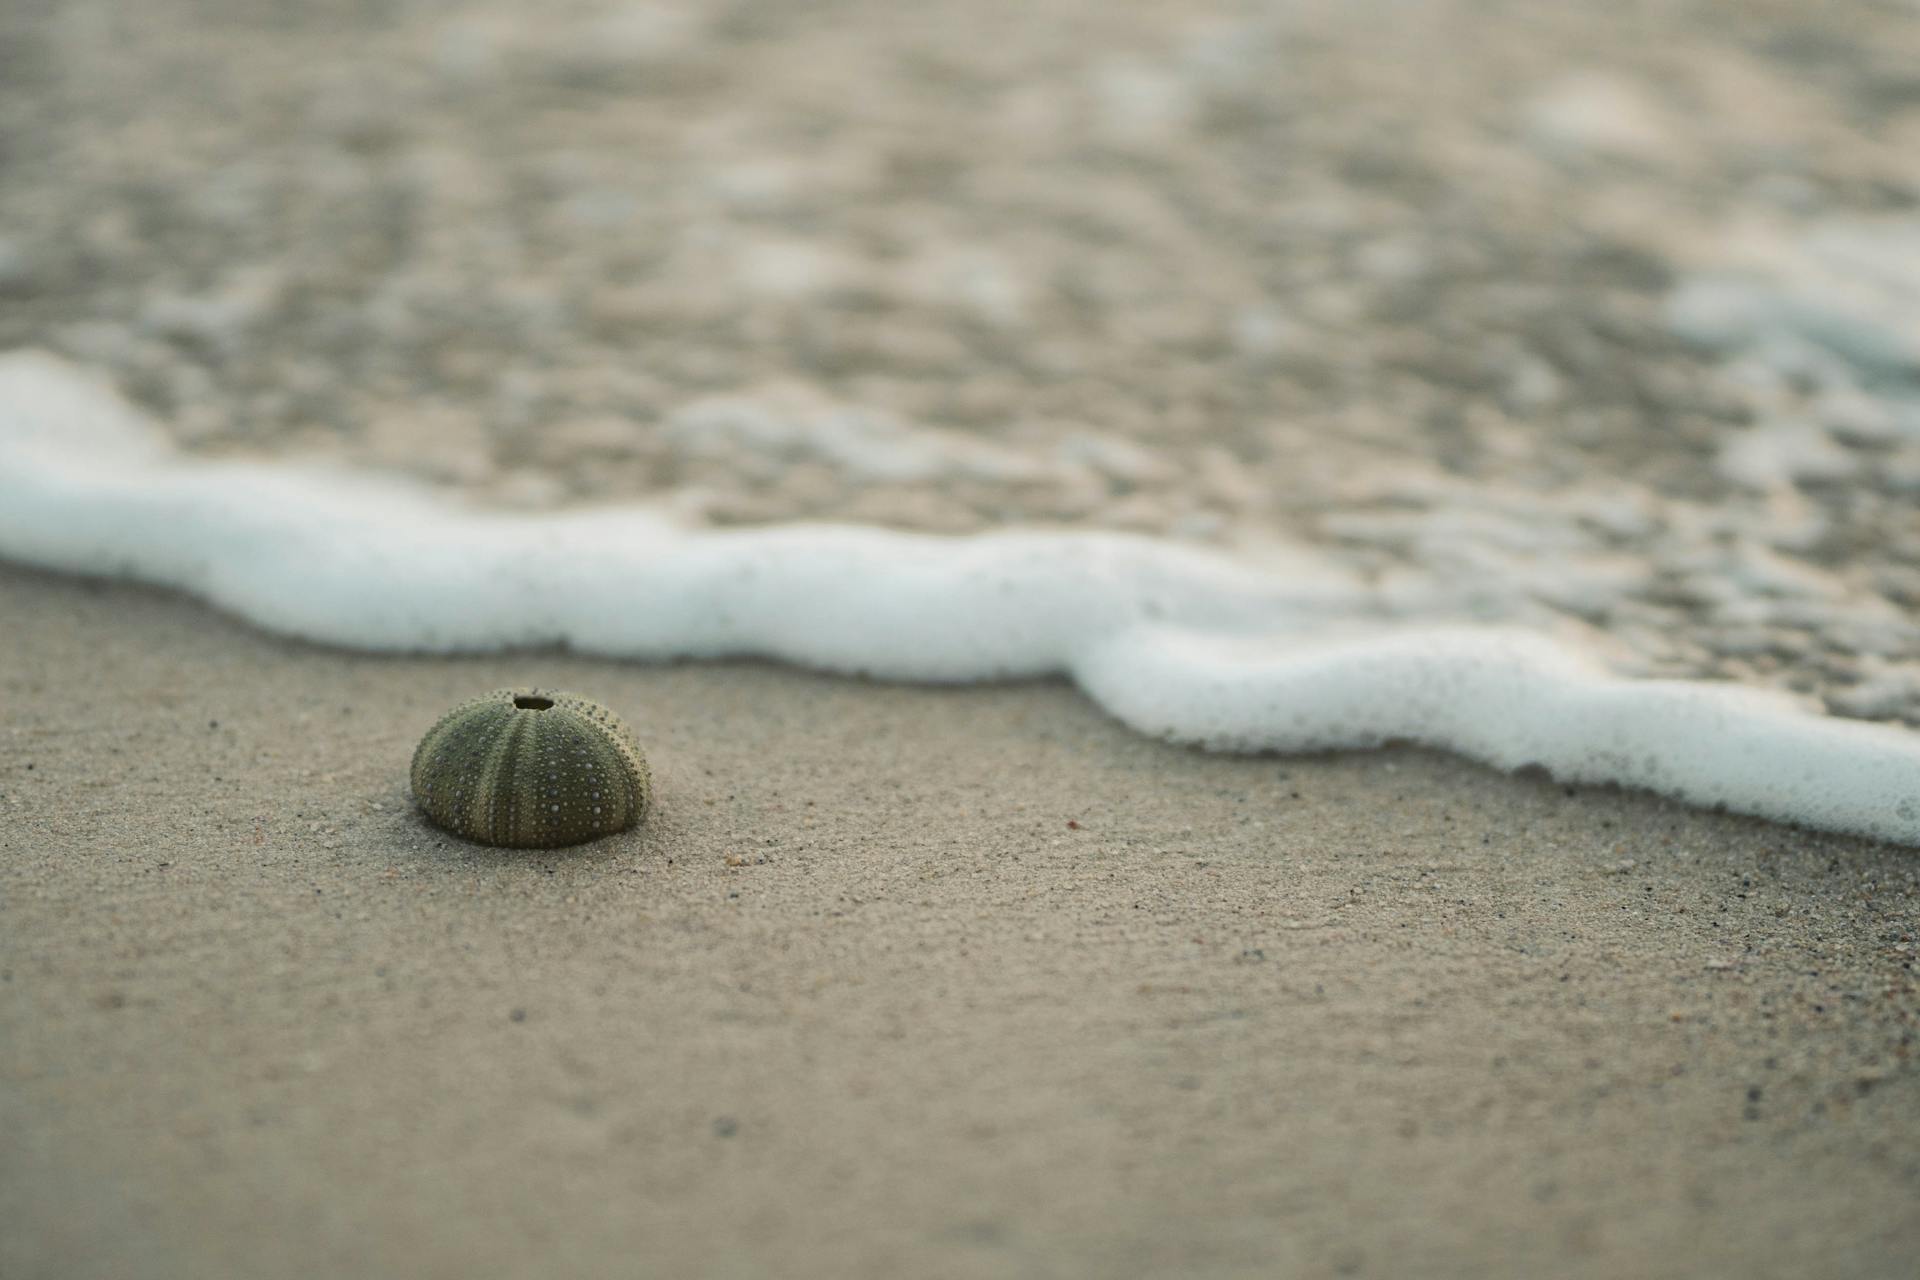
[531, 769]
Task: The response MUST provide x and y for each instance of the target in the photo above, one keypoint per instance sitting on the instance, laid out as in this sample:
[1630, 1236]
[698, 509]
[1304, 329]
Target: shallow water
[1600, 326]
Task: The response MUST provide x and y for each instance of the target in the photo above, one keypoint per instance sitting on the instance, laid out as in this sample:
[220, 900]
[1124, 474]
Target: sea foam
[1176, 642]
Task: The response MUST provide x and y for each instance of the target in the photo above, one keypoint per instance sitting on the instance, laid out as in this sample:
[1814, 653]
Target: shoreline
[1179, 643]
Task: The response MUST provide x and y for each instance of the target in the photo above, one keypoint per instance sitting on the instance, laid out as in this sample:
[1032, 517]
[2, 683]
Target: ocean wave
[1181, 643]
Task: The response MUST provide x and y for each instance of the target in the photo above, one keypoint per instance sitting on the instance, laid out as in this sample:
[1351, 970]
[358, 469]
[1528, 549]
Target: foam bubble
[1176, 642]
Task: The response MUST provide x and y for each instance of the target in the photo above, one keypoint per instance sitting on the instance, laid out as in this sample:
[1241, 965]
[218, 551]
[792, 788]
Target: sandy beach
[862, 999]
[1593, 322]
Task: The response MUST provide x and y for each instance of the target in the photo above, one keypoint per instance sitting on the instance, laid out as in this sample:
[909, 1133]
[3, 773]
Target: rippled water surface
[1601, 318]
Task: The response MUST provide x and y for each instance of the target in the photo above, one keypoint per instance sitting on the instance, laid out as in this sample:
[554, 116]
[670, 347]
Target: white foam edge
[1176, 642]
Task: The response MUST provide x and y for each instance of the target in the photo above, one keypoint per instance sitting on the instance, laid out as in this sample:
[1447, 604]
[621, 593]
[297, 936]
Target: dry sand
[860, 999]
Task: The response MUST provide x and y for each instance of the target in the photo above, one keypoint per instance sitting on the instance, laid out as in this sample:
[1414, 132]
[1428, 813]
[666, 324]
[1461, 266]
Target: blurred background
[1610, 312]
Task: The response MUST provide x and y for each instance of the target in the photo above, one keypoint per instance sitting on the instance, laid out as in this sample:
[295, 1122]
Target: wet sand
[862, 999]
[1393, 282]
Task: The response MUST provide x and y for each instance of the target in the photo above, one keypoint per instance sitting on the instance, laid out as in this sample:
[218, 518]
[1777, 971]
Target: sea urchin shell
[531, 769]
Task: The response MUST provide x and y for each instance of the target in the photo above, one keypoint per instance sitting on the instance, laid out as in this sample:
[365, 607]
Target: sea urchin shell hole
[490, 772]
